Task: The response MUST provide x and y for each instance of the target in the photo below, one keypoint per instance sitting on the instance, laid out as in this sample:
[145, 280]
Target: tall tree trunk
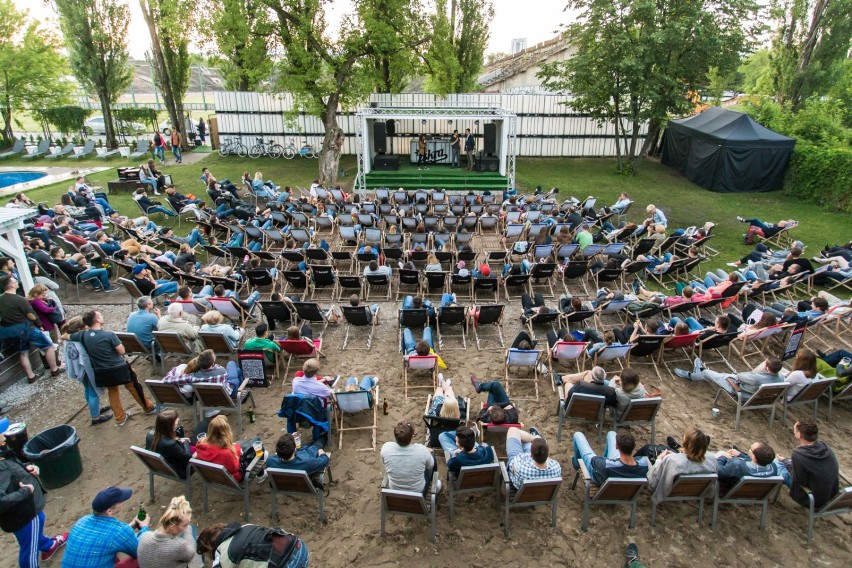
[808, 47]
[160, 63]
[617, 123]
[651, 138]
[109, 126]
[7, 114]
[332, 144]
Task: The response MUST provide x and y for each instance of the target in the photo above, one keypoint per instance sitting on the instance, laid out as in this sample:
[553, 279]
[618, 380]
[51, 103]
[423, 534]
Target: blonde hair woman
[173, 543]
[444, 402]
[432, 264]
[213, 322]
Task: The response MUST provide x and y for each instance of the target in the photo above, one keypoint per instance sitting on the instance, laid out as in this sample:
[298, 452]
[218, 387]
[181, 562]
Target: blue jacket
[298, 408]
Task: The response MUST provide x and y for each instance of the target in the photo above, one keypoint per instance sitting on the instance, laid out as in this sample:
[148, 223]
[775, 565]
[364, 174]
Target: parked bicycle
[307, 151]
[232, 146]
[271, 149]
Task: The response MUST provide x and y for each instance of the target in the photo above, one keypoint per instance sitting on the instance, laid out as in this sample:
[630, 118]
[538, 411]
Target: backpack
[749, 236]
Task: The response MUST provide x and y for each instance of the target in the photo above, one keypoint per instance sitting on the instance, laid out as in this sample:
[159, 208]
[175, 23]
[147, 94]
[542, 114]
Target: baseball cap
[110, 497]
[138, 269]
[485, 270]
[4, 425]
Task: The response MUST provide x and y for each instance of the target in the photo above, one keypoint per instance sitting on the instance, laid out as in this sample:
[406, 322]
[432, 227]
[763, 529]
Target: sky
[536, 20]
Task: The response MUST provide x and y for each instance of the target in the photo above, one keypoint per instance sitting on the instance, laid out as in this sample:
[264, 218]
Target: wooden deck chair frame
[133, 346]
[296, 483]
[229, 308]
[433, 278]
[452, 315]
[312, 312]
[533, 492]
[615, 352]
[169, 395]
[614, 491]
[809, 395]
[378, 281]
[218, 343]
[693, 487]
[412, 288]
[845, 394]
[766, 398]
[840, 504]
[171, 344]
[462, 286]
[356, 316]
[409, 504]
[420, 363]
[441, 423]
[520, 282]
[214, 396]
[494, 319]
[157, 466]
[588, 408]
[486, 285]
[527, 359]
[639, 412]
[761, 340]
[683, 343]
[475, 479]
[215, 475]
[329, 283]
[546, 272]
[716, 343]
[299, 352]
[355, 399]
[566, 351]
[748, 491]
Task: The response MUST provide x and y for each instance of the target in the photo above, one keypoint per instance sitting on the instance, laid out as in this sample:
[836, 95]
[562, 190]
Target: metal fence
[546, 126]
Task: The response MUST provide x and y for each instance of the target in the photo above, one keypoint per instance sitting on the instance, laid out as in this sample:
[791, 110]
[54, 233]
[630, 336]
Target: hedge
[821, 174]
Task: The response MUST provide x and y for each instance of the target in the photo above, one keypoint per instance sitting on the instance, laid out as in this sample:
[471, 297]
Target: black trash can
[56, 452]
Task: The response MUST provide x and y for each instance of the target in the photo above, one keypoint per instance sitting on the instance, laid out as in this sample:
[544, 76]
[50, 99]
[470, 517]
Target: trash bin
[56, 452]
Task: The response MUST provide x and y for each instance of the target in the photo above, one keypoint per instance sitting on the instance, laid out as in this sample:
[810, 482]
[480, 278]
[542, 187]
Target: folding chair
[437, 425]
[639, 412]
[300, 349]
[488, 285]
[296, 283]
[322, 277]
[528, 359]
[692, 487]
[541, 277]
[217, 342]
[159, 467]
[297, 483]
[766, 397]
[617, 308]
[214, 396]
[840, 504]
[216, 476]
[810, 394]
[715, 343]
[748, 491]
[678, 342]
[378, 281]
[133, 346]
[311, 312]
[475, 479]
[845, 394]
[575, 272]
[355, 402]
[585, 408]
[349, 284]
[419, 363]
[411, 280]
[436, 284]
[260, 278]
[168, 395]
[761, 340]
[616, 352]
[577, 317]
[357, 316]
[228, 307]
[518, 282]
[486, 316]
[276, 311]
[548, 319]
[614, 491]
[533, 492]
[409, 504]
[566, 351]
[451, 315]
[462, 286]
[171, 345]
[412, 318]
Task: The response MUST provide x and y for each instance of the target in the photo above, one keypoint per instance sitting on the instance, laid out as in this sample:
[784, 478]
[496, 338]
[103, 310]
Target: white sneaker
[441, 379]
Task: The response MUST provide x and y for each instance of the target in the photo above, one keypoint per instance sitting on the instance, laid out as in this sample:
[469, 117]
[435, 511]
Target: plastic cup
[715, 412]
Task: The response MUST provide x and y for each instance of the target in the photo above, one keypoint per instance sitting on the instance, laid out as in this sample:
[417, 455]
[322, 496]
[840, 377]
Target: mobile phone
[845, 361]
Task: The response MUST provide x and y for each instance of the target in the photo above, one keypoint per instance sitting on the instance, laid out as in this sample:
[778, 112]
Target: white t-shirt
[798, 380]
[405, 465]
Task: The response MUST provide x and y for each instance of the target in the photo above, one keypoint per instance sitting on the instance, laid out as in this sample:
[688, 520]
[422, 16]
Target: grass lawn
[684, 203]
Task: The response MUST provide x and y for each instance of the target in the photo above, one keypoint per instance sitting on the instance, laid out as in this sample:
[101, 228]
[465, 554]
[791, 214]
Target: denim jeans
[236, 240]
[178, 154]
[100, 273]
[496, 393]
[161, 209]
[252, 299]
[409, 342]
[194, 238]
[165, 287]
[583, 451]
[92, 399]
[690, 321]
[151, 182]
[367, 382]
[234, 377]
[160, 152]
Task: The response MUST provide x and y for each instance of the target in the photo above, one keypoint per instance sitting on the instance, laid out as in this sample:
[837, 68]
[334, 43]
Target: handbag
[55, 316]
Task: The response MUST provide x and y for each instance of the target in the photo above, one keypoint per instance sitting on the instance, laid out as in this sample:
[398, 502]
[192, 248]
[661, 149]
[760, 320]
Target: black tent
[726, 151]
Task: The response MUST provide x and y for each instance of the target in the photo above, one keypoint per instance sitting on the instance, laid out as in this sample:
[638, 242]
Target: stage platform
[436, 177]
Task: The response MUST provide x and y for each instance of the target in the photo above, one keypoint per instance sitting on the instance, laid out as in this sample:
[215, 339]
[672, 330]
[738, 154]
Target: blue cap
[138, 269]
[110, 497]
[4, 425]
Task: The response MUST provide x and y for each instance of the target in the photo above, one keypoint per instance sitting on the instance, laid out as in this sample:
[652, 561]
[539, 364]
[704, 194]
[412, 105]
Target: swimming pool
[12, 178]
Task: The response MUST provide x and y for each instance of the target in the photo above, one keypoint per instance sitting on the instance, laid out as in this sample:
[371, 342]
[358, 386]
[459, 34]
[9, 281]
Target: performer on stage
[421, 152]
[455, 147]
[469, 147]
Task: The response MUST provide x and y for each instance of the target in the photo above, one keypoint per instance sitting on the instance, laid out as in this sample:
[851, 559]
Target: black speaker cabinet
[390, 126]
[380, 142]
[386, 163]
[487, 163]
[490, 135]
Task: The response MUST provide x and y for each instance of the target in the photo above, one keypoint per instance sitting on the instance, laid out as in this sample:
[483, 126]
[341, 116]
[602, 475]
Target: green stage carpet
[436, 177]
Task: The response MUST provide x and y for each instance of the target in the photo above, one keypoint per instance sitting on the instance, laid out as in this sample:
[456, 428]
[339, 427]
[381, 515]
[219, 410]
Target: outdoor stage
[436, 177]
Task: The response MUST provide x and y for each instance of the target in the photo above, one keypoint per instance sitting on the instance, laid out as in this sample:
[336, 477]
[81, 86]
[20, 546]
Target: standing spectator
[202, 130]
[20, 325]
[22, 508]
[109, 365]
[80, 369]
[158, 147]
[469, 147]
[95, 539]
[173, 543]
[455, 149]
[176, 150]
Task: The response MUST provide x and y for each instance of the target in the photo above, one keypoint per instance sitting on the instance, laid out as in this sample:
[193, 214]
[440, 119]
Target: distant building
[519, 44]
[517, 72]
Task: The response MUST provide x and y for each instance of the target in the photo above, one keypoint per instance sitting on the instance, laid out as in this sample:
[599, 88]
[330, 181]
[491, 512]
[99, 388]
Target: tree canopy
[459, 33]
[238, 31]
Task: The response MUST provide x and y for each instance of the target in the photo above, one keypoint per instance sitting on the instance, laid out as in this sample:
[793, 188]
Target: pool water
[12, 178]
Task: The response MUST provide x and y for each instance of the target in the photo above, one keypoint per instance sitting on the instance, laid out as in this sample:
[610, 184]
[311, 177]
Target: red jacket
[212, 454]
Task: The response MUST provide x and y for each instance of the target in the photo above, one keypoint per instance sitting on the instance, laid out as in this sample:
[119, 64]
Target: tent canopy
[726, 151]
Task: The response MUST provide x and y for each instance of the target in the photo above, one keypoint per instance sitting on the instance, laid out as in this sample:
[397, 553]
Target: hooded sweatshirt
[17, 505]
[815, 467]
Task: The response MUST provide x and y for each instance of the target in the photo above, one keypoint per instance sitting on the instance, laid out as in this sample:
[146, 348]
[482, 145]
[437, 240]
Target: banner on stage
[437, 152]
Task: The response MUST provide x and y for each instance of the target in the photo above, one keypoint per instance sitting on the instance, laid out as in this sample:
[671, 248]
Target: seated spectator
[444, 401]
[95, 539]
[236, 544]
[499, 409]
[803, 373]
[746, 382]
[175, 321]
[173, 543]
[408, 467]
[148, 285]
[150, 206]
[432, 264]
[369, 311]
[595, 384]
[143, 322]
[203, 369]
[263, 342]
[814, 467]
[310, 384]
[417, 303]
[768, 230]
[627, 387]
[720, 326]
[595, 374]
[670, 464]
[311, 459]
[732, 465]
[373, 268]
[365, 384]
[533, 306]
[528, 457]
[214, 322]
[167, 440]
[77, 268]
[461, 449]
[413, 347]
[617, 460]
[218, 447]
[247, 305]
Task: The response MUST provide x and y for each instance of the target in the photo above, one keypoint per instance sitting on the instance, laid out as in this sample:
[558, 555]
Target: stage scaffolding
[505, 120]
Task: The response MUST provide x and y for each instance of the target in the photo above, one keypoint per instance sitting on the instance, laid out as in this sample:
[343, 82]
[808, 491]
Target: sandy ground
[475, 537]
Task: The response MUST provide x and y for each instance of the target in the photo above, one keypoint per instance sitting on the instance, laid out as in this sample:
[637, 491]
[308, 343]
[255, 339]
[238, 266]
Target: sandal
[57, 372]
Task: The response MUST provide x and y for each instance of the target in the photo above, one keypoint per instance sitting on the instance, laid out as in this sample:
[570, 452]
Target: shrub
[821, 174]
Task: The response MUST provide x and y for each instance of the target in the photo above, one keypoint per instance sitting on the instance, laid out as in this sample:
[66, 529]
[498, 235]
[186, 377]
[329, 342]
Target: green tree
[238, 32]
[643, 60]
[167, 26]
[67, 119]
[30, 66]
[754, 74]
[459, 32]
[393, 36]
[810, 39]
[96, 39]
[492, 58]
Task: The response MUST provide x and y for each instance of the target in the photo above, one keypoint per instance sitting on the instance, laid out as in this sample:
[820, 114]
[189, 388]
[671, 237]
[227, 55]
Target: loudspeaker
[487, 163]
[490, 135]
[391, 127]
[386, 163]
[380, 142]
